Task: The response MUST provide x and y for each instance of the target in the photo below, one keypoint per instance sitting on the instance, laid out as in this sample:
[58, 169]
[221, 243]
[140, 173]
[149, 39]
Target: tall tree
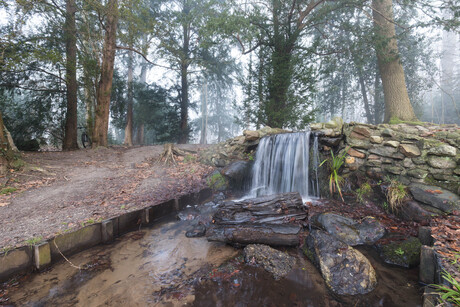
[397, 103]
[70, 35]
[104, 90]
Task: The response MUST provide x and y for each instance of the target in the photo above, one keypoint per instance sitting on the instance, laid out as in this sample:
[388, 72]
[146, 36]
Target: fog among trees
[154, 71]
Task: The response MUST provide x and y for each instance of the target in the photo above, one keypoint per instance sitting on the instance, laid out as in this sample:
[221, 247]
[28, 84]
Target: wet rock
[413, 211]
[443, 150]
[345, 270]
[350, 231]
[424, 235]
[403, 253]
[436, 197]
[331, 142]
[441, 162]
[219, 197]
[278, 263]
[217, 182]
[236, 173]
[196, 231]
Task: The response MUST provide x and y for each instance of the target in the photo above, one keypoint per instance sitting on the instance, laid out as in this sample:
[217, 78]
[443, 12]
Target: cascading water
[282, 165]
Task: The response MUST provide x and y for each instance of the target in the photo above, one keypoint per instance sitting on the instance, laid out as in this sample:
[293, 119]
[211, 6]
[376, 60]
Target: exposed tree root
[170, 154]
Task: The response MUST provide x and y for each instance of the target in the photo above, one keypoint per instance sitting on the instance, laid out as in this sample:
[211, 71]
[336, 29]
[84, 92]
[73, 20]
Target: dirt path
[58, 191]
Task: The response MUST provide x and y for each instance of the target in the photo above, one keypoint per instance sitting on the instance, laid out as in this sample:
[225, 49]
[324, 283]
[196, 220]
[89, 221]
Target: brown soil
[59, 191]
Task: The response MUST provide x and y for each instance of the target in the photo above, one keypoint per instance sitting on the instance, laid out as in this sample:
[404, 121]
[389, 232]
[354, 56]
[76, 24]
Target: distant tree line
[66, 64]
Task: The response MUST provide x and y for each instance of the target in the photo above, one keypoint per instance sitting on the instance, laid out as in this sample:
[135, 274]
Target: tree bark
[273, 220]
[397, 103]
[70, 33]
[129, 116]
[6, 153]
[101, 124]
[362, 85]
[185, 62]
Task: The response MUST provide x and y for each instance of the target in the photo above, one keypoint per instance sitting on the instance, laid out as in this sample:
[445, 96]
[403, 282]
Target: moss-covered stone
[217, 182]
[404, 253]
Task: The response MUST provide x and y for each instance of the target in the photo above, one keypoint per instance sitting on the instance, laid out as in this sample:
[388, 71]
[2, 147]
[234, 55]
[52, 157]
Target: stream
[160, 266]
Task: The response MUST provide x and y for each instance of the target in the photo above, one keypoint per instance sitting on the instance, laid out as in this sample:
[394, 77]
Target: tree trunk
[397, 103]
[70, 30]
[184, 129]
[369, 117]
[273, 220]
[129, 116]
[6, 154]
[101, 125]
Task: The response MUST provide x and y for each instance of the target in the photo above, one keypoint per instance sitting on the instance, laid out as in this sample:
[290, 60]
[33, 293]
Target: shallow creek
[159, 266]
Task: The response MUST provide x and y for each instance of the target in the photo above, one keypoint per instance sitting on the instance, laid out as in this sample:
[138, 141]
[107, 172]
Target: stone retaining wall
[424, 153]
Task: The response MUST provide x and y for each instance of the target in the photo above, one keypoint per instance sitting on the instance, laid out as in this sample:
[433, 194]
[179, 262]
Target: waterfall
[282, 165]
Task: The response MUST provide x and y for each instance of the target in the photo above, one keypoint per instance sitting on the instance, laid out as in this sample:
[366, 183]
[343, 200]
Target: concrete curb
[41, 255]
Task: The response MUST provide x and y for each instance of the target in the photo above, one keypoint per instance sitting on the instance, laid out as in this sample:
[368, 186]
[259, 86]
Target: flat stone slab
[276, 262]
[350, 231]
[441, 199]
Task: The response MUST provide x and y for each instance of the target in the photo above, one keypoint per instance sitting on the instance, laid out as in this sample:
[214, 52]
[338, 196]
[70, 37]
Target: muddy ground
[58, 191]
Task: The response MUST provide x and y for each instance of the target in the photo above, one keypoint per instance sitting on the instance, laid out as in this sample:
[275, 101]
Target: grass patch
[8, 190]
[396, 194]
[33, 241]
[448, 294]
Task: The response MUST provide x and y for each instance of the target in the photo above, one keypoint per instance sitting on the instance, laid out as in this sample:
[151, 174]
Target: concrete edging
[41, 255]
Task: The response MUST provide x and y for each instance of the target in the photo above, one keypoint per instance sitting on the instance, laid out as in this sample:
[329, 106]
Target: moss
[17, 164]
[8, 190]
[217, 181]
[364, 191]
[394, 121]
[405, 253]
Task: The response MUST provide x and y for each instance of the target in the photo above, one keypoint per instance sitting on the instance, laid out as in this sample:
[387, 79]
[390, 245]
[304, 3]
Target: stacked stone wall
[425, 153]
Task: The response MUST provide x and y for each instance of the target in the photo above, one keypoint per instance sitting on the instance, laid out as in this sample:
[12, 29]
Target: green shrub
[335, 179]
[451, 295]
[363, 191]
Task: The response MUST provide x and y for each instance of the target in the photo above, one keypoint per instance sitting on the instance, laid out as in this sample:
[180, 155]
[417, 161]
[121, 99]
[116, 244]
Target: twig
[71, 264]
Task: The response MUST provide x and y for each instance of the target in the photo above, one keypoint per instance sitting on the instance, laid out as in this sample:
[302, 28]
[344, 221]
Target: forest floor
[59, 191]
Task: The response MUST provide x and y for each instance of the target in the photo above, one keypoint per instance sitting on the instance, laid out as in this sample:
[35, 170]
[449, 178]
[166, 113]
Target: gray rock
[443, 150]
[274, 261]
[435, 197]
[413, 211]
[345, 270]
[237, 170]
[383, 151]
[427, 269]
[424, 235]
[376, 139]
[196, 231]
[402, 253]
[441, 162]
[409, 150]
[350, 231]
[417, 173]
[316, 126]
[331, 142]
[395, 170]
[394, 144]
[408, 163]
[388, 132]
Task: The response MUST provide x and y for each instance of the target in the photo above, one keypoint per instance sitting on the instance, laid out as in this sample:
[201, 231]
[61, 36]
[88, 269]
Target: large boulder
[237, 173]
[345, 270]
[278, 263]
[350, 231]
[436, 197]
